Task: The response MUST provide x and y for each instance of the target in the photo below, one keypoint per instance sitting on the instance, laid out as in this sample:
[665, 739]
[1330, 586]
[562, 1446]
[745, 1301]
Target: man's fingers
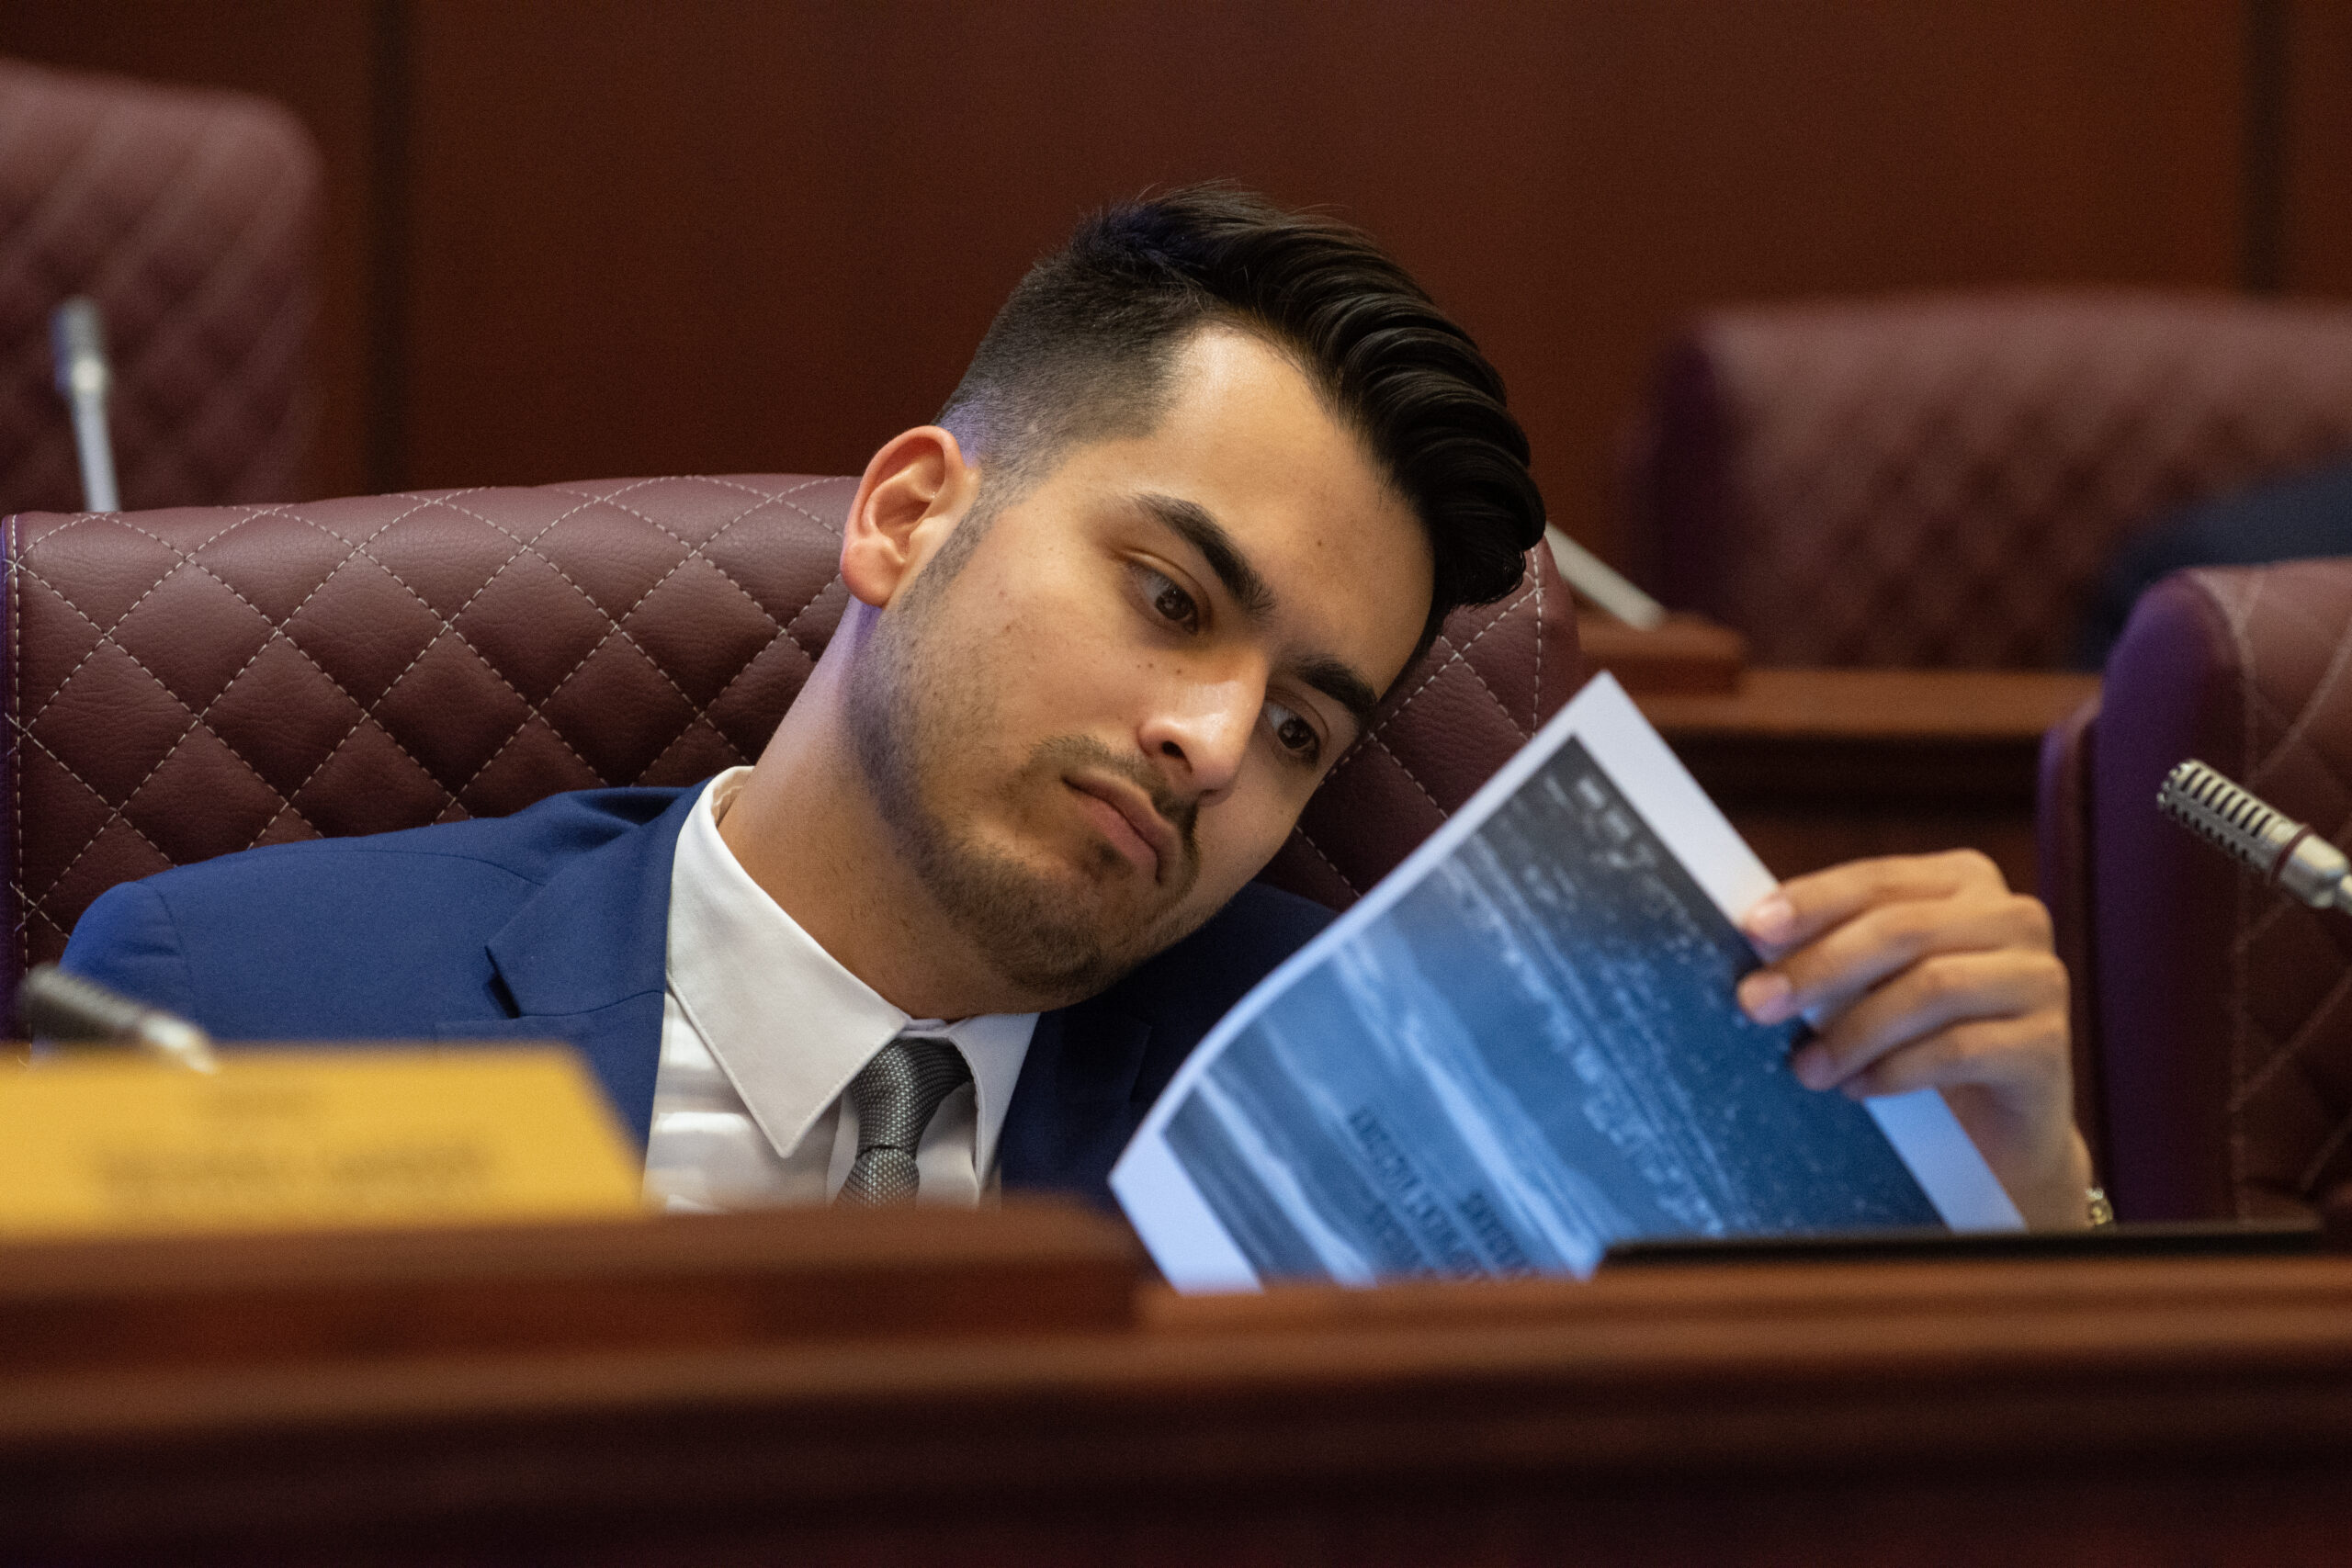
[1803, 907]
[1992, 1053]
[1937, 992]
[2006, 1081]
[1822, 978]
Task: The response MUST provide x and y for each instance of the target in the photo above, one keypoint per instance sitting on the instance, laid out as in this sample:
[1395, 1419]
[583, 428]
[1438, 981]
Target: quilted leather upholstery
[2219, 1012]
[189, 217]
[182, 684]
[1940, 481]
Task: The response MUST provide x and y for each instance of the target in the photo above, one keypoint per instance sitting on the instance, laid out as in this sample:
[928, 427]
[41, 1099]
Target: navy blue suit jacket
[553, 924]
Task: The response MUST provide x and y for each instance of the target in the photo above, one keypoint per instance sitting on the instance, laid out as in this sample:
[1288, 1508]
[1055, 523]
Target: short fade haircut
[1084, 348]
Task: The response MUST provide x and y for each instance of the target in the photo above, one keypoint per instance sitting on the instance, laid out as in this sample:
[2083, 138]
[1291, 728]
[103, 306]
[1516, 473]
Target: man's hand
[1926, 970]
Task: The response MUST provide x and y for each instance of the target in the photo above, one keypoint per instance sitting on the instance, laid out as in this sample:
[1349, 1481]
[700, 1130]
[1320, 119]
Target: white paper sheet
[1522, 1047]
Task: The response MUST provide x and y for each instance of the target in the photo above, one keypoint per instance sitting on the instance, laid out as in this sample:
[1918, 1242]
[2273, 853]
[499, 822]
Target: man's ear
[914, 493]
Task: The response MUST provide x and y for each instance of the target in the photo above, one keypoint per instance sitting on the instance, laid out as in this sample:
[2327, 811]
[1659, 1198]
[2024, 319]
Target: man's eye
[1293, 734]
[1170, 603]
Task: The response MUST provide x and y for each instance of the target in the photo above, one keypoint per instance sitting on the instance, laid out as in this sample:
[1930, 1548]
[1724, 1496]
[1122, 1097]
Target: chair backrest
[1942, 480]
[2215, 1014]
[183, 684]
[190, 218]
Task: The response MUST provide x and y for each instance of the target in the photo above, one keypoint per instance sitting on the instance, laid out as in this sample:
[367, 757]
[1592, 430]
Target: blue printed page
[1522, 1047]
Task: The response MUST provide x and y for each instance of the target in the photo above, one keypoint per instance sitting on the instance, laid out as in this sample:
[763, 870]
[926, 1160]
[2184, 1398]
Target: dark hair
[1084, 348]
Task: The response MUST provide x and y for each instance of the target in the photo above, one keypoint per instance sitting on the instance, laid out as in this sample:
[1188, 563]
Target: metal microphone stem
[77, 342]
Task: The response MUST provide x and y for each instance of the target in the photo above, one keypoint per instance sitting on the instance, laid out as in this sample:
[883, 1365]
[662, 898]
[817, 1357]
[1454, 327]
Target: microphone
[2283, 851]
[77, 344]
[1598, 581]
[54, 1005]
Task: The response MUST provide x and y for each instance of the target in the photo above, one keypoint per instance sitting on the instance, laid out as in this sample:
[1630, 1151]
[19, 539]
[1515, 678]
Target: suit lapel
[584, 959]
[1079, 1101]
[1094, 1069]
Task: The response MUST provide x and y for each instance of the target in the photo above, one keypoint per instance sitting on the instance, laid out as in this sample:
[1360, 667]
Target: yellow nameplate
[307, 1139]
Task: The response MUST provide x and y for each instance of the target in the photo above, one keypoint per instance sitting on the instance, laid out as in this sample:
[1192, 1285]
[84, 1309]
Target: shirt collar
[785, 1020]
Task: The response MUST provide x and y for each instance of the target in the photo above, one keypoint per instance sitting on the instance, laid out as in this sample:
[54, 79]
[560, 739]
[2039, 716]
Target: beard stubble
[914, 709]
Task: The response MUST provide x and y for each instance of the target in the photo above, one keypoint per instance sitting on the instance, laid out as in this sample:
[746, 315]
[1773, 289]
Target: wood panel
[1818, 766]
[729, 234]
[2061, 1410]
[2317, 241]
[317, 58]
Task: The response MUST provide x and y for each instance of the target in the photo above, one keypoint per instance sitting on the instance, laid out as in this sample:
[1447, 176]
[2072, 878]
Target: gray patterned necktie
[896, 1095]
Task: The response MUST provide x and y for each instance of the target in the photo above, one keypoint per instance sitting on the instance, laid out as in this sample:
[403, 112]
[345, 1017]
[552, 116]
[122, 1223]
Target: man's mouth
[1125, 816]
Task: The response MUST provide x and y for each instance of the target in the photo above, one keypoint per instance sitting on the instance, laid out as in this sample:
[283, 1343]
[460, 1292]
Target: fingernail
[1773, 919]
[1813, 1067]
[1766, 997]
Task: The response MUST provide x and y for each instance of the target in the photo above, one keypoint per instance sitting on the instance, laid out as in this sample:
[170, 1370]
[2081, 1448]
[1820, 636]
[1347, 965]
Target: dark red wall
[313, 55]
[2316, 217]
[585, 237]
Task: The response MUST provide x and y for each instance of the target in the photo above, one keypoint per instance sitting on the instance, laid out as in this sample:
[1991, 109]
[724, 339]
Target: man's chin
[1053, 940]
[1056, 968]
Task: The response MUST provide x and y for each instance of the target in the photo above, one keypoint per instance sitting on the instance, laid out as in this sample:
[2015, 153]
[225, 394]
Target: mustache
[1080, 750]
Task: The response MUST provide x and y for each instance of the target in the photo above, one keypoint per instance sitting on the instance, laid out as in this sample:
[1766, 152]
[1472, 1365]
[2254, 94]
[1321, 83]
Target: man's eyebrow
[1343, 685]
[1207, 535]
[1192, 521]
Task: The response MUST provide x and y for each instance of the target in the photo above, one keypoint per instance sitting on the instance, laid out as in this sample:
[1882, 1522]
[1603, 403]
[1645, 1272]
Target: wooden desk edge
[1920, 705]
[1684, 1378]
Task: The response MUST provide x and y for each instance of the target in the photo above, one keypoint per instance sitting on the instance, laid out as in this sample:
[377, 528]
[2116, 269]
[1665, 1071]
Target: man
[1213, 477]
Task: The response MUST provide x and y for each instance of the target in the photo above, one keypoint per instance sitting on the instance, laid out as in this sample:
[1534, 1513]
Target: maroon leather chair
[2214, 1015]
[189, 217]
[1940, 480]
[184, 683]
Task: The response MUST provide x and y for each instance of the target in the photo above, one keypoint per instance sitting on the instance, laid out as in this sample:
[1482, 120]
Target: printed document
[1522, 1047]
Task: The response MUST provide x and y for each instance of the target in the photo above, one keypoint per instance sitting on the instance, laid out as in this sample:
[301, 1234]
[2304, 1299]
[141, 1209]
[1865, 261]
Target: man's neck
[805, 827]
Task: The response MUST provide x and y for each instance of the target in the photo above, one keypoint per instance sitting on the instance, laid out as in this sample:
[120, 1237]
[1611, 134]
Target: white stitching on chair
[200, 720]
[1502, 613]
[187, 559]
[531, 546]
[17, 750]
[1536, 696]
[114, 815]
[1413, 778]
[31, 905]
[1459, 656]
[359, 549]
[698, 711]
[105, 634]
[1308, 840]
[828, 525]
[1456, 657]
[2240, 606]
[699, 551]
[278, 627]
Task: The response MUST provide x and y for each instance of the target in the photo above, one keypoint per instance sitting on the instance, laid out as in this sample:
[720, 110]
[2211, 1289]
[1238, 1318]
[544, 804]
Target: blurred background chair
[186, 683]
[189, 217]
[1942, 480]
[2214, 1015]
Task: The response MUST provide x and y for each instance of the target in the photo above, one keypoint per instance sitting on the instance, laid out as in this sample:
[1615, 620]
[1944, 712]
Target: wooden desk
[740, 1391]
[1817, 766]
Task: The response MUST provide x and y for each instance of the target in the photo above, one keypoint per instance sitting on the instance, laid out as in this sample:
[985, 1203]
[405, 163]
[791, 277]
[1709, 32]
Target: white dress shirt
[761, 1030]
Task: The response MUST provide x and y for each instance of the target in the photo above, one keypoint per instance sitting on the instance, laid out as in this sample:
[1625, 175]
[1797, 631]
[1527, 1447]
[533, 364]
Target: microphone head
[2200, 798]
[55, 1005]
[2278, 847]
[78, 345]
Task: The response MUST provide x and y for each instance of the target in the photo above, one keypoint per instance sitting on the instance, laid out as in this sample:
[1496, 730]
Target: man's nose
[1200, 731]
